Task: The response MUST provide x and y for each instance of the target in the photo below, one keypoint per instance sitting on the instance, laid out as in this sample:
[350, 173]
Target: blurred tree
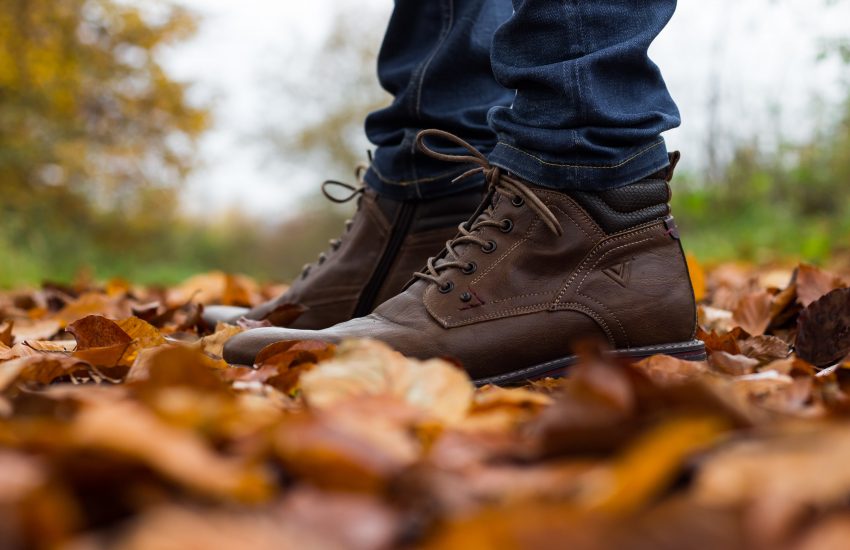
[85, 105]
[94, 135]
[335, 92]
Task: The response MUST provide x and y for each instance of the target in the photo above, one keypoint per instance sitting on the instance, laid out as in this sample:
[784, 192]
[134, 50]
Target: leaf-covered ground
[121, 427]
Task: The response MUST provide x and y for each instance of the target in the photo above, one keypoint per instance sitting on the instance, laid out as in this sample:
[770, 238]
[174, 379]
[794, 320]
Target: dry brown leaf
[106, 356]
[144, 336]
[725, 341]
[38, 369]
[753, 313]
[667, 371]
[350, 448]
[765, 348]
[177, 364]
[814, 283]
[648, 466]
[7, 339]
[369, 368]
[214, 343]
[823, 329]
[778, 478]
[735, 365]
[131, 431]
[92, 303]
[96, 331]
[697, 273]
[236, 292]
[176, 528]
[42, 329]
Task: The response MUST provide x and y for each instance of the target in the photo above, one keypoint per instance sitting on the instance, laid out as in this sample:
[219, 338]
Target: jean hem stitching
[584, 166]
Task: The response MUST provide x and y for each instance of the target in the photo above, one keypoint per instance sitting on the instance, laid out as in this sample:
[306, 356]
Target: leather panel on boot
[330, 289]
[523, 274]
[636, 283]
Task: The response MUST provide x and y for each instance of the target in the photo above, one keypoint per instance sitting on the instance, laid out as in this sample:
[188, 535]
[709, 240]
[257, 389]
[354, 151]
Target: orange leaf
[814, 283]
[753, 312]
[95, 331]
[697, 277]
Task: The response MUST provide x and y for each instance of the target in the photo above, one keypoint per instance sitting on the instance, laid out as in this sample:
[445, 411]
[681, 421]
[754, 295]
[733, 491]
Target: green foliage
[94, 136]
[788, 204]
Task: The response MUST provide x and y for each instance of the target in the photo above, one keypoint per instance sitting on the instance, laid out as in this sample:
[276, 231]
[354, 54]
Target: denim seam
[422, 70]
[585, 166]
[448, 21]
[577, 75]
[444, 175]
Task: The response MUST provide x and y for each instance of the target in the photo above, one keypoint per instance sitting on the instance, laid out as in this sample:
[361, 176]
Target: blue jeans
[561, 93]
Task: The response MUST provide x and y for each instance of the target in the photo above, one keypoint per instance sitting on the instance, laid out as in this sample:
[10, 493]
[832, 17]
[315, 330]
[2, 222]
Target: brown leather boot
[384, 243]
[536, 273]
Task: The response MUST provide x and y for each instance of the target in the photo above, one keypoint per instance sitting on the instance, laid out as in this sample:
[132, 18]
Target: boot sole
[687, 351]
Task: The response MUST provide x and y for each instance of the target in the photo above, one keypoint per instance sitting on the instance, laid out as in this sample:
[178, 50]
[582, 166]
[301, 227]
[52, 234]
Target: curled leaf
[823, 329]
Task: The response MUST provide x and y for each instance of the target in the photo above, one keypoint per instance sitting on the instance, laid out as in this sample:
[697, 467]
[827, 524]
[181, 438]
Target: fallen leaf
[666, 371]
[95, 331]
[647, 466]
[236, 292]
[814, 283]
[92, 303]
[697, 273]
[106, 356]
[364, 368]
[177, 365]
[735, 365]
[753, 312]
[6, 337]
[43, 329]
[127, 429]
[143, 335]
[764, 348]
[214, 343]
[823, 329]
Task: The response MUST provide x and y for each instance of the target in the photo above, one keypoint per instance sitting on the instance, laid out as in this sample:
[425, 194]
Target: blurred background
[154, 139]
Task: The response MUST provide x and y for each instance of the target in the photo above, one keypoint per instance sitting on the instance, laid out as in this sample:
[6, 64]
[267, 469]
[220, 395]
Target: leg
[435, 61]
[590, 105]
[574, 242]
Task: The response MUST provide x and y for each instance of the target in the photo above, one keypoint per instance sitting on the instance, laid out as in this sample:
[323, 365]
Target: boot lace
[354, 191]
[498, 182]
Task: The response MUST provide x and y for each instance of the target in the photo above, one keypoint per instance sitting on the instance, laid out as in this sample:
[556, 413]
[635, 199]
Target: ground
[121, 427]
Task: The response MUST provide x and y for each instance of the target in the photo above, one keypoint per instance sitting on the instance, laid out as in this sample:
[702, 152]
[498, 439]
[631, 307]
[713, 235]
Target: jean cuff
[429, 187]
[634, 167]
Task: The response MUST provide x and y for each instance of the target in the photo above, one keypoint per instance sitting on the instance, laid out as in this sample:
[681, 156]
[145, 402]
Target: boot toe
[223, 314]
[243, 348]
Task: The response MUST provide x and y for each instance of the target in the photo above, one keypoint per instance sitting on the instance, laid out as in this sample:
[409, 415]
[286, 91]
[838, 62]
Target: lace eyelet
[322, 258]
[470, 268]
[447, 287]
[518, 201]
[466, 297]
[489, 247]
[507, 226]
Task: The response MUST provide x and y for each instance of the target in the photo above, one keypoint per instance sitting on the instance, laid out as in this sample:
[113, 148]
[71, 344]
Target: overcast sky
[758, 54]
